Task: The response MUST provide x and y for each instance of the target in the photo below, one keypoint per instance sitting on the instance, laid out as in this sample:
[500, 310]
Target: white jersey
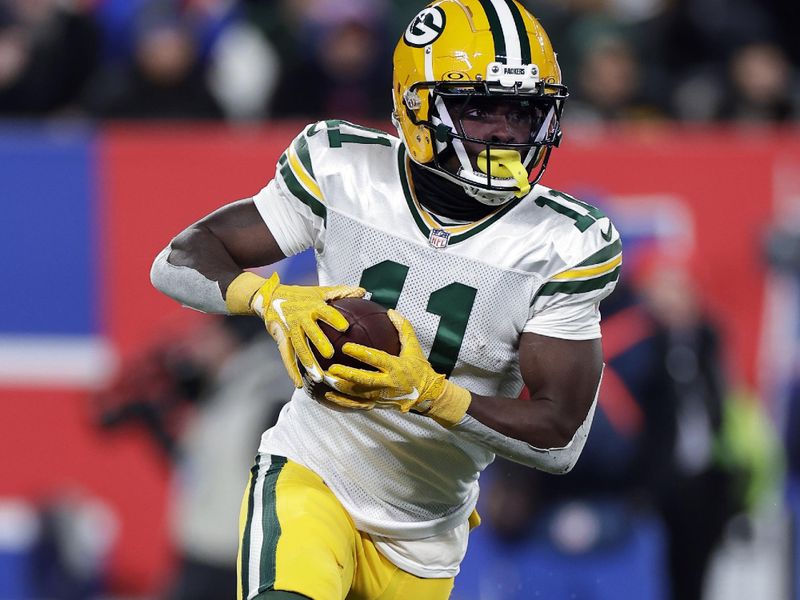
[538, 264]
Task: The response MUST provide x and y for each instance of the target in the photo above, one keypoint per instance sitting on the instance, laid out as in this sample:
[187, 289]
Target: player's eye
[519, 117]
[474, 113]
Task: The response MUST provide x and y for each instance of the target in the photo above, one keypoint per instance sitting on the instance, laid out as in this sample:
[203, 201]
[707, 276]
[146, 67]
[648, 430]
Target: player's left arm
[547, 432]
[562, 377]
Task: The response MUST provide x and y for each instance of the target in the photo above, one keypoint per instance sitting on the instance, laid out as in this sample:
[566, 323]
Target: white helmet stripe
[429, 75]
[510, 32]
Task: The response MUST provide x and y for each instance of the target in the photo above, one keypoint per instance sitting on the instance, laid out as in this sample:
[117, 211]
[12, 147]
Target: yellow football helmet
[478, 96]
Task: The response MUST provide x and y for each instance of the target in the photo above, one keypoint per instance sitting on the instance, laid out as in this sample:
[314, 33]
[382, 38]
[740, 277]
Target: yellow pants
[295, 536]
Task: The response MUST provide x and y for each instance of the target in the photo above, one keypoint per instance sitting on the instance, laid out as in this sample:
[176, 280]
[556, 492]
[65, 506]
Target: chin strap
[506, 164]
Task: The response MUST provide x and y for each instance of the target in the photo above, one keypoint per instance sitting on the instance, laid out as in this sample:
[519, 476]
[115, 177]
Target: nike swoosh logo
[258, 305]
[276, 305]
[413, 395]
[607, 234]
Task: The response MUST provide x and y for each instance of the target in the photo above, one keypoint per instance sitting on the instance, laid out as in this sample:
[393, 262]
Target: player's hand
[290, 313]
[405, 382]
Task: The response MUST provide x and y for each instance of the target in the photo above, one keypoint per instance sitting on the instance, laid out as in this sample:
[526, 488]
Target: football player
[494, 282]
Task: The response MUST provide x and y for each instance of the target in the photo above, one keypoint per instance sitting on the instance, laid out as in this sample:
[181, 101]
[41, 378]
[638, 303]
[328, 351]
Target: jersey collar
[426, 222]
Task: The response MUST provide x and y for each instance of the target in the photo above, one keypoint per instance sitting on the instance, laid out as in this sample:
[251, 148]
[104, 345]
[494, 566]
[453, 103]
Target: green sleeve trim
[578, 287]
[603, 255]
[299, 192]
[301, 147]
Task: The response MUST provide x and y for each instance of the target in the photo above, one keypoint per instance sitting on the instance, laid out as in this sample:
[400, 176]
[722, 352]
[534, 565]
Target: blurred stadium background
[124, 120]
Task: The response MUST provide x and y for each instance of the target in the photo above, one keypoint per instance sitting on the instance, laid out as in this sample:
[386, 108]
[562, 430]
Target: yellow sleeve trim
[302, 175]
[588, 272]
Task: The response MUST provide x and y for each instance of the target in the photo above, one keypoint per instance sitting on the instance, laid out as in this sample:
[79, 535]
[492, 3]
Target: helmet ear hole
[422, 150]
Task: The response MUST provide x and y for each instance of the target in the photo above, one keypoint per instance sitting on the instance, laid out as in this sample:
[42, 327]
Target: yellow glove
[405, 382]
[290, 313]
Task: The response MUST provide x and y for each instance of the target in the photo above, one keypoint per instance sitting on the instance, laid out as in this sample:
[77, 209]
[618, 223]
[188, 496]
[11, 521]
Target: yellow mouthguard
[508, 164]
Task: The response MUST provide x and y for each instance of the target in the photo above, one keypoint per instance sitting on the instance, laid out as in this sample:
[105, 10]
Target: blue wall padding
[48, 233]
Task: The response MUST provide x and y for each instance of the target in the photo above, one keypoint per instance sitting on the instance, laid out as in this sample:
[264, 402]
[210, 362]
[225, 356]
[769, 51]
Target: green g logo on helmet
[426, 27]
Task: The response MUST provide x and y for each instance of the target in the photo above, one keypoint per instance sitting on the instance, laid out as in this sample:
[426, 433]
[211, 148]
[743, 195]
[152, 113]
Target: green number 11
[452, 303]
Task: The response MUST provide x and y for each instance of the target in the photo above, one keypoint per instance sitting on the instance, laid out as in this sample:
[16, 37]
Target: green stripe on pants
[271, 528]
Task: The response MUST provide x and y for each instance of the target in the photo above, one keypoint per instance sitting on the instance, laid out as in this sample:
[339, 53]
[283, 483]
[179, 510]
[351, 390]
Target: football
[369, 326]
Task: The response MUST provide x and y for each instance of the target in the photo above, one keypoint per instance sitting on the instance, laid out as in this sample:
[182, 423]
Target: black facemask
[445, 198]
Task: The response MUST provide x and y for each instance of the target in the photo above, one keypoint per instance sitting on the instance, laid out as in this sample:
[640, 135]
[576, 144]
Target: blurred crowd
[243, 60]
[674, 454]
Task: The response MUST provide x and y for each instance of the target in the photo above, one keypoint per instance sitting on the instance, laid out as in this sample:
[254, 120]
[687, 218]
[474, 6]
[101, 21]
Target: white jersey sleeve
[292, 204]
[567, 305]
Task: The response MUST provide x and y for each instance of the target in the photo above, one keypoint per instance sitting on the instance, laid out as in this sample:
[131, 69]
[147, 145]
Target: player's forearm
[196, 270]
[536, 421]
[509, 429]
[198, 248]
[198, 266]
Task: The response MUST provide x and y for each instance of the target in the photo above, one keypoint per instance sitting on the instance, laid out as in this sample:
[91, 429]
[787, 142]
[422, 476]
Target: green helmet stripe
[497, 30]
[508, 31]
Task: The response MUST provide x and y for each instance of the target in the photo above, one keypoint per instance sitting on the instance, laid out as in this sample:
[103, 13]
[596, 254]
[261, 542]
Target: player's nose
[502, 132]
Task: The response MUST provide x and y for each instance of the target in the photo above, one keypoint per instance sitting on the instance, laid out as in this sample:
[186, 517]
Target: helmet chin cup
[488, 197]
[506, 164]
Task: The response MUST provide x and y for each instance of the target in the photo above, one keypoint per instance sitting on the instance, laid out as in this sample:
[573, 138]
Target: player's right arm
[204, 267]
[219, 247]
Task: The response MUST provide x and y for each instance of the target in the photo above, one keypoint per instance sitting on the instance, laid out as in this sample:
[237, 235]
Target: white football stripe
[545, 128]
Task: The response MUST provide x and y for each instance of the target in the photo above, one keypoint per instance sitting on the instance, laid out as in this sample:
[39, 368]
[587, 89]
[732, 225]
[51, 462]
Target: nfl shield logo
[439, 238]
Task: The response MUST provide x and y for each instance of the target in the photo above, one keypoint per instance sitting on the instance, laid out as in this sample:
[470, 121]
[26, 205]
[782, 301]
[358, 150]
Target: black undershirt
[445, 198]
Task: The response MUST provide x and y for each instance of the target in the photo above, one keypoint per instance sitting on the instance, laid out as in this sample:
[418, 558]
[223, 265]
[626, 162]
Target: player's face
[499, 122]
[495, 120]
